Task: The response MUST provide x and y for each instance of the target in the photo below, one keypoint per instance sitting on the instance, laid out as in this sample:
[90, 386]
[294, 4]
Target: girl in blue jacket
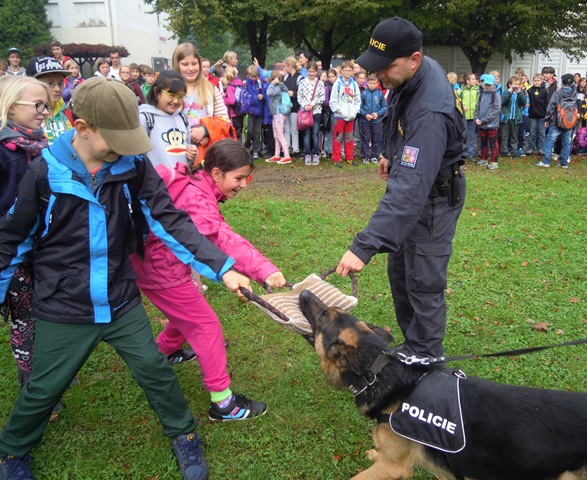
[254, 87]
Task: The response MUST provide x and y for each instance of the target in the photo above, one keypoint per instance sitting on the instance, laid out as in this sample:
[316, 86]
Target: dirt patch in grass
[321, 180]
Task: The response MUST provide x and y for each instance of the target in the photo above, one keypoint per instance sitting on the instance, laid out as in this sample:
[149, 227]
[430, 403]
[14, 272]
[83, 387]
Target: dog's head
[337, 336]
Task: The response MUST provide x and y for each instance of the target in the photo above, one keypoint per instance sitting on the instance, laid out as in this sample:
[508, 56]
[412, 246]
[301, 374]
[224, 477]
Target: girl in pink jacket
[167, 282]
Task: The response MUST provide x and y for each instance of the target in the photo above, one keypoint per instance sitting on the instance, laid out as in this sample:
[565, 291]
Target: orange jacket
[218, 129]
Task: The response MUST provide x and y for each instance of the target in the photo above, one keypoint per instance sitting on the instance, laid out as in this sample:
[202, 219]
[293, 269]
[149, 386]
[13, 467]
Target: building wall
[452, 59]
[114, 22]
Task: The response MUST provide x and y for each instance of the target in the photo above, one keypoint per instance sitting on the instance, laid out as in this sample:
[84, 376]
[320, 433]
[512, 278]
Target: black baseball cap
[392, 38]
[39, 66]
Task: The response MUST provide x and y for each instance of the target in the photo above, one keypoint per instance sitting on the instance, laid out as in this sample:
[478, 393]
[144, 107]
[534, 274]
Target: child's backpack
[285, 105]
[150, 120]
[567, 113]
[582, 137]
[242, 97]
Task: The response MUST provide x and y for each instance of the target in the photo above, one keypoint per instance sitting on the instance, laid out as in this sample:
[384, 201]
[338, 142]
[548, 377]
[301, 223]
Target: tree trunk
[477, 66]
[327, 50]
[258, 42]
[478, 58]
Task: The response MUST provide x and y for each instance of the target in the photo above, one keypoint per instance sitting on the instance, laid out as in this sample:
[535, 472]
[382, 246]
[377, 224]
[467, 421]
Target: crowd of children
[518, 119]
[266, 122]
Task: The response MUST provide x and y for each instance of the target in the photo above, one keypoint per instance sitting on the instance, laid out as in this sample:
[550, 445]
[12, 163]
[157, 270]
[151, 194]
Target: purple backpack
[582, 137]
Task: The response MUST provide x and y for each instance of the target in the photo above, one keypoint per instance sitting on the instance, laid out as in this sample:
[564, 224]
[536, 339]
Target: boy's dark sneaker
[15, 468]
[190, 458]
[241, 408]
[183, 355]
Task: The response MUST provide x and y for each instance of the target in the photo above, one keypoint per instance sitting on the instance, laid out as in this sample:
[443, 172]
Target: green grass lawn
[519, 259]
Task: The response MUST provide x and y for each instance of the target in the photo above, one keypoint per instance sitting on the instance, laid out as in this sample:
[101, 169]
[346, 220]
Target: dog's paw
[372, 455]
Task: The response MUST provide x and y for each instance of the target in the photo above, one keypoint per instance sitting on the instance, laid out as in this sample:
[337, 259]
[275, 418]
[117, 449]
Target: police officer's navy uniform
[424, 133]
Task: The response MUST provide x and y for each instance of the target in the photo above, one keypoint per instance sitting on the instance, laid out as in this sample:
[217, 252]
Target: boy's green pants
[61, 350]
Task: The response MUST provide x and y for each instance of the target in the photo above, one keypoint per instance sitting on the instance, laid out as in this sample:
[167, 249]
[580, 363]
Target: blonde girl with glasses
[25, 105]
[163, 119]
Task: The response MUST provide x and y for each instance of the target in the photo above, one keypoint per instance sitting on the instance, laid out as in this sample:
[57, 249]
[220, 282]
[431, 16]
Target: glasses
[177, 96]
[248, 179]
[53, 84]
[39, 106]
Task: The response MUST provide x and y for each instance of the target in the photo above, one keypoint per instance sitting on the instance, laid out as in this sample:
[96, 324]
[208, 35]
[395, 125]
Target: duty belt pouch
[455, 185]
[442, 184]
[448, 184]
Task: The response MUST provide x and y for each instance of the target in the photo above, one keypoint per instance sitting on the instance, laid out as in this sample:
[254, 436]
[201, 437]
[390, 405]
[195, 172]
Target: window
[53, 14]
[90, 14]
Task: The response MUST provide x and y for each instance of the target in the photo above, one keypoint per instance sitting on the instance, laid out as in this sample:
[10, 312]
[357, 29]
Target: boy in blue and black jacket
[82, 208]
[373, 106]
[254, 87]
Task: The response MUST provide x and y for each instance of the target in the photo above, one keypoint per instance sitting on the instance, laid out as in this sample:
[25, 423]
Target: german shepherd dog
[512, 433]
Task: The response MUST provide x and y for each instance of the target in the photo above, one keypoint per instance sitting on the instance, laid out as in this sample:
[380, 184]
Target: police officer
[424, 133]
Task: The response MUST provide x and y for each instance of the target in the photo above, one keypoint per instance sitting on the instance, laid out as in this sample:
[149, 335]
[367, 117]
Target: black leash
[519, 351]
[409, 360]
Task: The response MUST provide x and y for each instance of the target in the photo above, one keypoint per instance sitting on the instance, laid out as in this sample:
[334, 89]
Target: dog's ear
[346, 356]
[388, 337]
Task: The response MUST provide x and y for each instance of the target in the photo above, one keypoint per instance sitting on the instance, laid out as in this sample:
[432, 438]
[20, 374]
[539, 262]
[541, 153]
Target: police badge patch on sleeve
[410, 156]
[431, 414]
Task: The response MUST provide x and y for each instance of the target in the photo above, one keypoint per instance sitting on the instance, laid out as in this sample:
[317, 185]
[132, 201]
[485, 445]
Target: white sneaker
[316, 160]
[308, 160]
[542, 164]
